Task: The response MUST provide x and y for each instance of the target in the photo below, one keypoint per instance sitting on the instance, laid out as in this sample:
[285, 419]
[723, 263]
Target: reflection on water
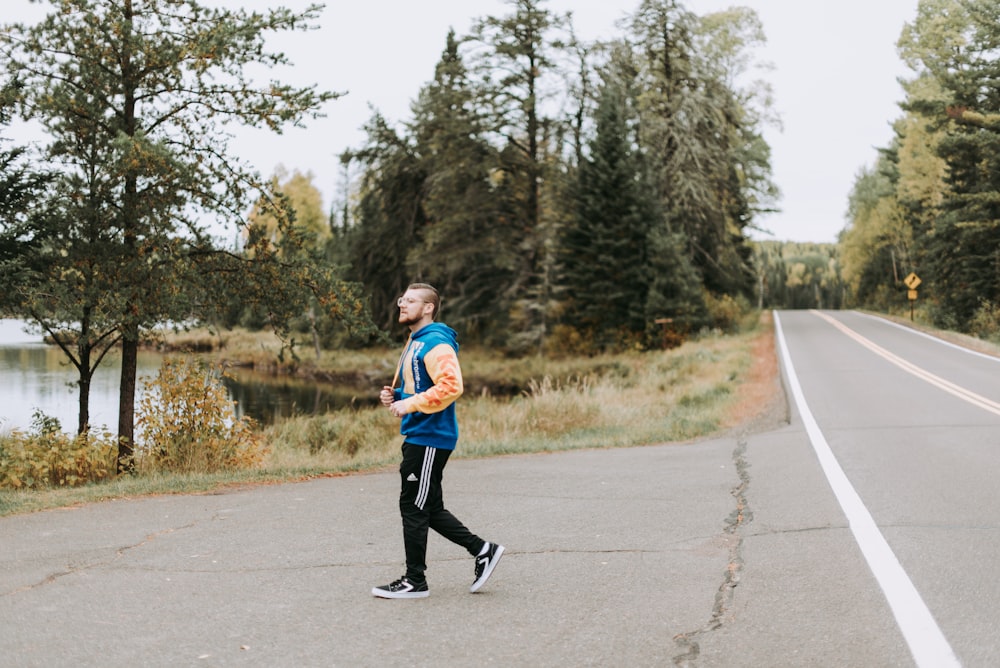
[34, 376]
[267, 399]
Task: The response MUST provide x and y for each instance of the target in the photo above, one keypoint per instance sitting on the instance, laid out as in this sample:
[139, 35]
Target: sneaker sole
[381, 593]
[477, 585]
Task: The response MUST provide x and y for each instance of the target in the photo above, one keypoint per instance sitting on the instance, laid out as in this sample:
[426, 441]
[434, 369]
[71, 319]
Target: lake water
[34, 375]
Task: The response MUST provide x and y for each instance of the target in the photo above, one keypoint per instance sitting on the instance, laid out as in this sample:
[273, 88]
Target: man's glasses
[408, 300]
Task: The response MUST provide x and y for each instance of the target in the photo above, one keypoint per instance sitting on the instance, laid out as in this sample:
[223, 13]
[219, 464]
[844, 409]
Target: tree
[676, 292]
[922, 171]
[702, 135]
[519, 61]
[389, 219]
[43, 261]
[811, 279]
[136, 96]
[875, 245]
[306, 205]
[605, 263]
[953, 47]
[20, 187]
[726, 42]
[303, 198]
[463, 249]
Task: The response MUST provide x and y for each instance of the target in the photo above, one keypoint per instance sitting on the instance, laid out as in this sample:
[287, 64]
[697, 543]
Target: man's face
[412, 307]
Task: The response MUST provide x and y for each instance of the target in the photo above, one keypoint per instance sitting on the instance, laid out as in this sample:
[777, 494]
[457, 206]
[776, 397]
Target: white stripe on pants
[425, 478]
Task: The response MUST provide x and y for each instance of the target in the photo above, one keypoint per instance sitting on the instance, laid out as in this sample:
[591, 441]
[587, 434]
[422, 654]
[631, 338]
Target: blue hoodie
[431, 382]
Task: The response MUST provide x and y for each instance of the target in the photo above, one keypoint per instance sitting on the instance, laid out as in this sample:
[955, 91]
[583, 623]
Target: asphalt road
[737, 551]
[914, 424]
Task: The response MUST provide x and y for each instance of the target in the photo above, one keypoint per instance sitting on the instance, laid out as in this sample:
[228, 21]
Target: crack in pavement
[741, 516]
[118, 554]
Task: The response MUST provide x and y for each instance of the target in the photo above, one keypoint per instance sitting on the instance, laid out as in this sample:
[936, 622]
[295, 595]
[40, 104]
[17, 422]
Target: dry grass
[760, 402]
[700, 389]
[704, 388]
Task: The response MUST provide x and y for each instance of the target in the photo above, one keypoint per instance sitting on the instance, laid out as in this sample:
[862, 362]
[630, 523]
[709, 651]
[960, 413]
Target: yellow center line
[949, 387]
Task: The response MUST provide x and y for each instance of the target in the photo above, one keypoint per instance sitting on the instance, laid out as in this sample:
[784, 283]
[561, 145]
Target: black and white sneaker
[485, 563]
[402, 588]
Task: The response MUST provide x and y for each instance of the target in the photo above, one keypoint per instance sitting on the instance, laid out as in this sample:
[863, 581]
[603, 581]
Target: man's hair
[433, 297]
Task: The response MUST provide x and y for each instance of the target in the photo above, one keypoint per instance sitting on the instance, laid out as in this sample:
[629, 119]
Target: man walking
[431, 381]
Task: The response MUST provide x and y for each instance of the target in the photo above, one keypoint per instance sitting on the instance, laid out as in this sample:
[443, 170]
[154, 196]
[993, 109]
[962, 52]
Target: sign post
[912, 282]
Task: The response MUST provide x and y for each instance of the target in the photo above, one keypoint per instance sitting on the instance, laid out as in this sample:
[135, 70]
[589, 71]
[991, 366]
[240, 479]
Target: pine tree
[20, 186]
[954, 45]
[390, 218]
[604, 251]
[518, 65]
[675, 302]
[707, 158]
[462, 250]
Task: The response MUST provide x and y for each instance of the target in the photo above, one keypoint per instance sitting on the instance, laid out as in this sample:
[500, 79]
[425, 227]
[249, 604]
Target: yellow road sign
[912, 281]
[912, 294]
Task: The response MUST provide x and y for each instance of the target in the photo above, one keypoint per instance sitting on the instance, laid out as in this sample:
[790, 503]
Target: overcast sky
[834, 78]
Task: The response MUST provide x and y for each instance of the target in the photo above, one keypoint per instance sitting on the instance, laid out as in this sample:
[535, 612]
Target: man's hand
[385, 396]
[397, 409]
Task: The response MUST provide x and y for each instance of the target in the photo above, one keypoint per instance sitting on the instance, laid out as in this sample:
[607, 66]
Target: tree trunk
[126, 400]
[130, 214]
[86, 374]
[83, 423]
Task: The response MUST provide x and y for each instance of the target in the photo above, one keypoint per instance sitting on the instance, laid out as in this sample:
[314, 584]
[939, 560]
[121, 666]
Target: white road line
[927, 643]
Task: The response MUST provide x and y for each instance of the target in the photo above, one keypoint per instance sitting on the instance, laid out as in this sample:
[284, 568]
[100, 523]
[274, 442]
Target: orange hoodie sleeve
[442, 365]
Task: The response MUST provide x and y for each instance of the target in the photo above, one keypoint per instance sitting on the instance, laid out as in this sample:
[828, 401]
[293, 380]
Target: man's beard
[408, 321]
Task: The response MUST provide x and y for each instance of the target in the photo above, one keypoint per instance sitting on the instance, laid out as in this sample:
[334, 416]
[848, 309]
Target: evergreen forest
[567, 195]
[930, 205]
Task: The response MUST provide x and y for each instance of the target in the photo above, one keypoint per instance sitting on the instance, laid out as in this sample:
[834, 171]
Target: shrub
[566, 340]
[985, 322]
[46, 456]
[186, 422]
[726, 313]
[345, 432]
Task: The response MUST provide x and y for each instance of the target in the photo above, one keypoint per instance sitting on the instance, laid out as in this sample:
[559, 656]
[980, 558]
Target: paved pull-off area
[611, 555]
[615, 557]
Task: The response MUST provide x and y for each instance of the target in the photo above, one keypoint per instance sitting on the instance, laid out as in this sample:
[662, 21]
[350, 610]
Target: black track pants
[421, 505]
